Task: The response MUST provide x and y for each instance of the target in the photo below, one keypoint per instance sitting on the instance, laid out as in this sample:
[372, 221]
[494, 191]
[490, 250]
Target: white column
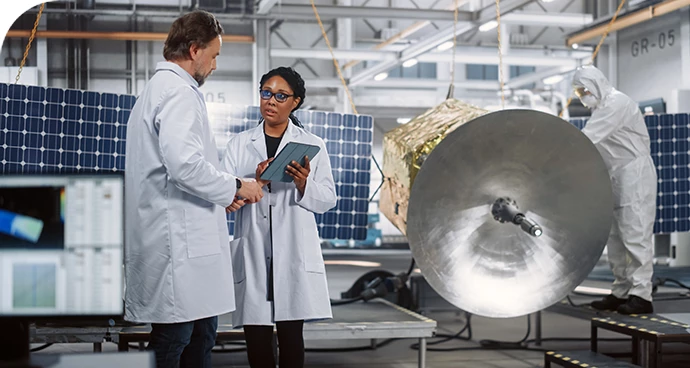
[344, 40]
[261, 54]
[684, 39]
[505, 50]
[42, 55]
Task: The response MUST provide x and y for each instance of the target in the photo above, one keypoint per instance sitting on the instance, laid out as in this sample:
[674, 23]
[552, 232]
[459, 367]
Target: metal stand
[421, 357]
[537, 328]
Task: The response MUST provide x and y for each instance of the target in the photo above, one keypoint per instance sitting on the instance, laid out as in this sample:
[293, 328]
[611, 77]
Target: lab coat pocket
[237, 254]
[313, 261]
[202, 232]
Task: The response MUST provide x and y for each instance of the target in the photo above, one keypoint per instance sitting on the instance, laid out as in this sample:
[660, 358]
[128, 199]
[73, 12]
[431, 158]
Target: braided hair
[296, 83]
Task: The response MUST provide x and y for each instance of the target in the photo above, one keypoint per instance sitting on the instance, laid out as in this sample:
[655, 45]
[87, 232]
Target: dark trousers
[290, 343]
[184, 345]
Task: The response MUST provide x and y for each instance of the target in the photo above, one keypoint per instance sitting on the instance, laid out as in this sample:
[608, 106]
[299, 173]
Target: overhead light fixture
[547, 1]
[553, 79]
[410, 63]
[488, 26]
[445, 46]
[381, 76]
[575, 46]
[403, 120]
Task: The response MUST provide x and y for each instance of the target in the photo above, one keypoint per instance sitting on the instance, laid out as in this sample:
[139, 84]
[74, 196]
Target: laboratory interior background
[387, 82]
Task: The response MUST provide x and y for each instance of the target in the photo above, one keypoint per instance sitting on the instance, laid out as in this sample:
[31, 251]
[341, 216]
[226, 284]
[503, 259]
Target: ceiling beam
[565, 20]
[464, 55]
[535, 77]
[265, 6]
[291, 11]
[626, 20]
[407, 83]
[429, 43]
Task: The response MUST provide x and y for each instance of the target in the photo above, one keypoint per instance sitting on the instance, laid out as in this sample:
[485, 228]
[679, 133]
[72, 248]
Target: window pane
[491, 72]
[475, 72]
[427, 70]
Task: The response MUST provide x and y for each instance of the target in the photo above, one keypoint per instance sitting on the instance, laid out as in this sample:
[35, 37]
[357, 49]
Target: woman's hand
[260, 170]
[299, 174]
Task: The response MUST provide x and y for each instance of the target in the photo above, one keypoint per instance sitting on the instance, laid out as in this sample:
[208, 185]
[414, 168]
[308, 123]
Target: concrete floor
[398, 354]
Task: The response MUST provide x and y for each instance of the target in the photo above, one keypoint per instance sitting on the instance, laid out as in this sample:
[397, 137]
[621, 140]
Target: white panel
[236, 92]
[29, 76]
[649, 58]
[118, 86]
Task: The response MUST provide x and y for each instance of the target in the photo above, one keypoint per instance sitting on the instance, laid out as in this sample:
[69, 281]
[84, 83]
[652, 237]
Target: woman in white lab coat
[276, 253]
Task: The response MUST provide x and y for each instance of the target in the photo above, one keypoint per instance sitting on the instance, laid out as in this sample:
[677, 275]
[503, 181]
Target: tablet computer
[293, 151]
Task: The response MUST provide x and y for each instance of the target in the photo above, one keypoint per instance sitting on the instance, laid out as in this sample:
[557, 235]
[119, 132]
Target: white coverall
[619, 132]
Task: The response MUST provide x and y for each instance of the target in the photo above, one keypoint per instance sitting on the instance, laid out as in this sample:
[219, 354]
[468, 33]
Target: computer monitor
[61, 246]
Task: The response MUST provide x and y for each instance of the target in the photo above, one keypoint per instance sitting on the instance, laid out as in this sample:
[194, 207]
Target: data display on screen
[61, 245]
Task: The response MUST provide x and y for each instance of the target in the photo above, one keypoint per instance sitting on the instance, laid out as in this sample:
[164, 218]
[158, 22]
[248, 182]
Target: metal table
[377, 319]
[644, 330]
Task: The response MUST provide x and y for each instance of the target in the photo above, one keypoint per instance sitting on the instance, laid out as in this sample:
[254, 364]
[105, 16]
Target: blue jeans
[184, 345]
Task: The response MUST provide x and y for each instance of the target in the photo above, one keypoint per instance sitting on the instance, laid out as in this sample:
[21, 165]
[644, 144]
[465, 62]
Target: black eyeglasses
[280, 97]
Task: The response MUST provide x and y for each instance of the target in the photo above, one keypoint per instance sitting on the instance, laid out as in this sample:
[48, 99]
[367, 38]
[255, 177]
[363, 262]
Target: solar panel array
[49, 130]
[669, 138]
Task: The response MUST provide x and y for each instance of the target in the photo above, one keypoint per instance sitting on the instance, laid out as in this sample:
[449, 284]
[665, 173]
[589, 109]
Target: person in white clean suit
[619, 132]
[278, 268]
[177, 253]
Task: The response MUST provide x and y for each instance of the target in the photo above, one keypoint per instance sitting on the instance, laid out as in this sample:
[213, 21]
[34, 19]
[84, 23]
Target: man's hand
[250, 192]
[260, 170]
[299, 174]
[235, 205]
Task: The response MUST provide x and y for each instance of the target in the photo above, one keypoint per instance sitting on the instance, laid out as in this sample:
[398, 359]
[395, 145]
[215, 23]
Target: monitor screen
[61, 245]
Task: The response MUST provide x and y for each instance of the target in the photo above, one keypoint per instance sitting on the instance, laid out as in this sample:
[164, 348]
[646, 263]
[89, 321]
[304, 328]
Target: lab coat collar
[259, 143]
[167, 65]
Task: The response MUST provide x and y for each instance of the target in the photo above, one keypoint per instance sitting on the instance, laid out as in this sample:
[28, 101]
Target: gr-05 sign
[650, 44]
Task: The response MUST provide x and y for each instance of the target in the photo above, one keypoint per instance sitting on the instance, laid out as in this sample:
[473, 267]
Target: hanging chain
[28, 46]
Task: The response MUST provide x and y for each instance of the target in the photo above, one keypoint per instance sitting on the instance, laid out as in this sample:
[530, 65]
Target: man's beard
[200, 78]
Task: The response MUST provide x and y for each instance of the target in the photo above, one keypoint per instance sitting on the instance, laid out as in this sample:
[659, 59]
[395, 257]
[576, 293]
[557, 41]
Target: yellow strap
[500, 54]
[28, 46]
[596, 50]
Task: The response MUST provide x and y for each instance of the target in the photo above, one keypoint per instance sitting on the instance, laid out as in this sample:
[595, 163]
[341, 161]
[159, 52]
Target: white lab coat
[299, 282]
[618, 131]
[177, 255]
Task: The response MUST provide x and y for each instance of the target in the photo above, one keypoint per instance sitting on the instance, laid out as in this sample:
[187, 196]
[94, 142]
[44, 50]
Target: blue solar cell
[349, 149]
[91, 98]
[109, 101]
[365, 122]
[35, 109]
[70, 127]
[359, 233]
[349, 135]
[70, 131]
[333, 133]
[345, 232]
[73, 97]
[17, 92]
[16, 107]
[55, 95]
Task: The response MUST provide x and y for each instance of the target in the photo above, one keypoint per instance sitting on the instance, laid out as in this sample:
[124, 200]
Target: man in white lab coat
[618, 130]
[177, 257]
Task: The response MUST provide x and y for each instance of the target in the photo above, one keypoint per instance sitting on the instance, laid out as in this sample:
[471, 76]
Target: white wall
[645, 69]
